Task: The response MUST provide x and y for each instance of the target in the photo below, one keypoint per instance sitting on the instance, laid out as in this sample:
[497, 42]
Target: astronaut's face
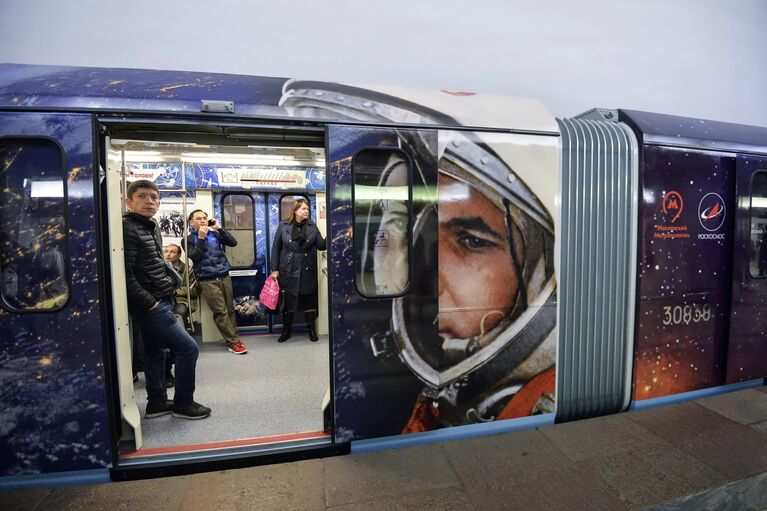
[478, 283]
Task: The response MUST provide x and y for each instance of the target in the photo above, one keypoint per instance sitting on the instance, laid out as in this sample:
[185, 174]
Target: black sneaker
[192, 412]
[158, 410]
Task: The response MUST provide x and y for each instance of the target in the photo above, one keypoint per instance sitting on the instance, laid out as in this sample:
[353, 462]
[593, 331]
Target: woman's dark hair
[295, 207]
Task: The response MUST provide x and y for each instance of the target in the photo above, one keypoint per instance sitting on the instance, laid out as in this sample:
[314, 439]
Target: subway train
[489, 267]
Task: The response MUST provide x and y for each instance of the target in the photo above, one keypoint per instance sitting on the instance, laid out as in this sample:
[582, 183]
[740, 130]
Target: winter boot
[310, 317]
[287, 321]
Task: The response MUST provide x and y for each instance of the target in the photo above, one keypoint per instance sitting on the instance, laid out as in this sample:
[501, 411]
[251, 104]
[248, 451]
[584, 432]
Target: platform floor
[704, 454]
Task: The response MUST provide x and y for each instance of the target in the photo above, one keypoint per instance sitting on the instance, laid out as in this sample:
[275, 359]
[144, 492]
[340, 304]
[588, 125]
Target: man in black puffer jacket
[150, 289]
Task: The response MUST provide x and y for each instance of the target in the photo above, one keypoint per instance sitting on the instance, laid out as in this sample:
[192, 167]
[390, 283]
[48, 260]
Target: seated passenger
[182, 308]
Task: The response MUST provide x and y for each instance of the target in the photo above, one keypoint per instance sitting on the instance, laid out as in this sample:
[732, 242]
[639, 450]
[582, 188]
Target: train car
[488, 267]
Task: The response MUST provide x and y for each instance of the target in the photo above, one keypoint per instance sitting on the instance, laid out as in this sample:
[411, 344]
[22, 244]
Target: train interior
[276, 395]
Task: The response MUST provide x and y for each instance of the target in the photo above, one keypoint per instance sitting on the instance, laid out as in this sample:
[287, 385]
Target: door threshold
[224, 446]
[189, 459]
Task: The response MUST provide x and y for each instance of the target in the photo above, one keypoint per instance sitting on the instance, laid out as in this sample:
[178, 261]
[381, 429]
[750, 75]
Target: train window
[758, 250]
[238, 220]
[381, 198]
[33, 233]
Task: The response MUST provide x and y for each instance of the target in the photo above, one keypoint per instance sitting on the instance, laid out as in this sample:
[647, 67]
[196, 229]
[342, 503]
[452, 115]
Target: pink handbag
[270, 294]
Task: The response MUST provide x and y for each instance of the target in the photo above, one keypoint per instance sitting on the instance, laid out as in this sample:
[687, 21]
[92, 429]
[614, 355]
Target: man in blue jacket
[150, 289]
[206, 250]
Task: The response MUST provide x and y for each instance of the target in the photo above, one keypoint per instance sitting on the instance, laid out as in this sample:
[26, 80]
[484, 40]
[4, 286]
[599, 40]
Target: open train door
[51, 330]
[382, 186]
[748, 324]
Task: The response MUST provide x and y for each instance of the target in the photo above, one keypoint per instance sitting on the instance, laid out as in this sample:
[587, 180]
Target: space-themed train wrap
[685, 270]
[443, 223]
[53, 408]
[748, 325]
[444, 291]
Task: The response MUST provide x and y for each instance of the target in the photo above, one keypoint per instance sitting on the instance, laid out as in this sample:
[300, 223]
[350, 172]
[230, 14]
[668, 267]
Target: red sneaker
[238, 348]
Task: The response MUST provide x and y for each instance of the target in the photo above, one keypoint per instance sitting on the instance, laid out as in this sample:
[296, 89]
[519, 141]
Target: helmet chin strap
[457, 349]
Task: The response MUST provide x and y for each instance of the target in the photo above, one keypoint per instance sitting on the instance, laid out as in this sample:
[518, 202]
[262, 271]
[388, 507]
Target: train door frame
[129, 416]
[241, 455]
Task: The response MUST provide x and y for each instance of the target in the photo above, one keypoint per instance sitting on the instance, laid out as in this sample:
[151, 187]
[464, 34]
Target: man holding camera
[206, 249]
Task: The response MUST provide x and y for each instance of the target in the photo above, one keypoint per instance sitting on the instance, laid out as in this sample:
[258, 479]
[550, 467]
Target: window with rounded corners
[757, 263]
[382, 219]
[34, 260]
[237, 210]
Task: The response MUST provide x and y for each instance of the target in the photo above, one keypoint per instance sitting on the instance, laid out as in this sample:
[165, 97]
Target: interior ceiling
[169, 142]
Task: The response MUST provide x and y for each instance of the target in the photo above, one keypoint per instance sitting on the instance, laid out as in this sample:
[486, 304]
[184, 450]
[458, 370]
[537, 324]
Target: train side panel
[53, 411]
[748, 330]
[684, 272]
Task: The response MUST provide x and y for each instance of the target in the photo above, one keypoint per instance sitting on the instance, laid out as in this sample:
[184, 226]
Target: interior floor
[274, 389]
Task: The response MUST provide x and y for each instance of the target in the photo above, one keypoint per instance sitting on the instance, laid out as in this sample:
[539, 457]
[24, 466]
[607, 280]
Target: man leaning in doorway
[150, 289]
[206, 249]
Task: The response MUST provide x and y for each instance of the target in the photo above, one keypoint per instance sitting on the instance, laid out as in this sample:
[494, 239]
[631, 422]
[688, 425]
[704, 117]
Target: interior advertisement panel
[684, 271]
[172, 216]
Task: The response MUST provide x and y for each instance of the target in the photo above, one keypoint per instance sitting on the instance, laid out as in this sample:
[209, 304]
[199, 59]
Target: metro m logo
[673, 202]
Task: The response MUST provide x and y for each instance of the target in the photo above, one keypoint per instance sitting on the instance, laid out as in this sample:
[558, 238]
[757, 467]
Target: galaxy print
[684, 271]
[53, 410]
[748, 329]
[143, 90]
[136, 89]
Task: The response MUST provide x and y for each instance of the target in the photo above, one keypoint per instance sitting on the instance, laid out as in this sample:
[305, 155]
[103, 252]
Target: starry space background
[136, 89]
[681, 272]
[53, 410]
[748, 334]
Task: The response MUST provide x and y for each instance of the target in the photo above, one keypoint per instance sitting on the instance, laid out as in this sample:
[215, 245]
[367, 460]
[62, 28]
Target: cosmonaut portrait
[487, 350]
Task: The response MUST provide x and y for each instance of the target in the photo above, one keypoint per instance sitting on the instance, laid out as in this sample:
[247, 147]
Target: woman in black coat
[294, 265]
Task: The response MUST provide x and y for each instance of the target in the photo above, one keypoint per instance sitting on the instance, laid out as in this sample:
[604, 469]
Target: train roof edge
[119, 89]
[674, 130]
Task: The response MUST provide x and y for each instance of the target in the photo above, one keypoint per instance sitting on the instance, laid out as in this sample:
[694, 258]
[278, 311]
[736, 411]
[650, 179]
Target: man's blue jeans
[162, 330]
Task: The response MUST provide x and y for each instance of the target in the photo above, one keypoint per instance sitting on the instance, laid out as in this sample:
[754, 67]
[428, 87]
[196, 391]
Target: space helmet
[494, 362]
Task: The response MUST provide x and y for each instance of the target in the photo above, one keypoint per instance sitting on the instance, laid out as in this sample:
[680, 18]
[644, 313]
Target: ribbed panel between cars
[597, 268]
